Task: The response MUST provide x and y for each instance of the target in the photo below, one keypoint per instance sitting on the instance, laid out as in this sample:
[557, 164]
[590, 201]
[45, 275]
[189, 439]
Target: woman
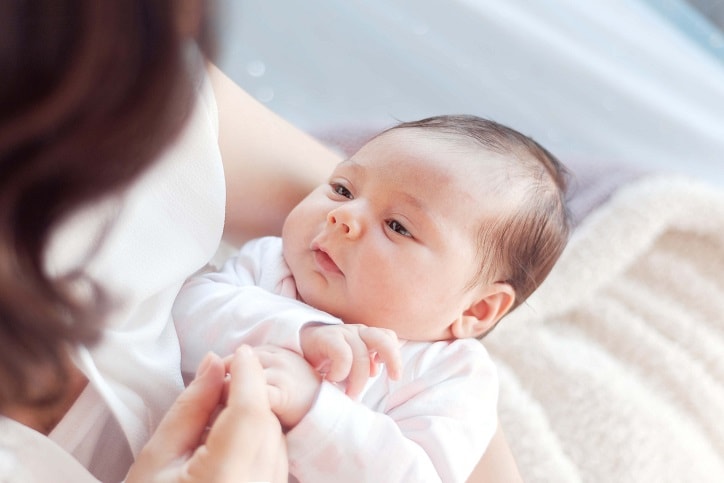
[123, 156]
[111, 193]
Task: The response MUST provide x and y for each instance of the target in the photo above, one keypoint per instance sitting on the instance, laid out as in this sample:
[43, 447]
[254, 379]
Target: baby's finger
[359, 371]
[387, 347]
[334, 358]
[249, 383]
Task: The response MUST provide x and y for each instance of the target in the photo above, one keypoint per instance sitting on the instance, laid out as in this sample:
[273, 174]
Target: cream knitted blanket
[614, 369]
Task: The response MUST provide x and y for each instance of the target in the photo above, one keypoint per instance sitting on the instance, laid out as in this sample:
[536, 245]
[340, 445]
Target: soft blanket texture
[614, 369]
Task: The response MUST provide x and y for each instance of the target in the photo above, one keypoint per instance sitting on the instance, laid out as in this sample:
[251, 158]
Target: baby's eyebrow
[350, 164]
[412, 200]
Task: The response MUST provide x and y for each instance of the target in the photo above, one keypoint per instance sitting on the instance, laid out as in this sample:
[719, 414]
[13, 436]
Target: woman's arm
[269, 164]
[497, 464]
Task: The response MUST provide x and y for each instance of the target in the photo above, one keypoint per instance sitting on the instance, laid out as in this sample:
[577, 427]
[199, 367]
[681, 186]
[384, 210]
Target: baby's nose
[344, 221]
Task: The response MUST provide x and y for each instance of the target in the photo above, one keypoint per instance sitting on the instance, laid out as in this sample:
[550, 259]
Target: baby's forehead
[451, 146]
[456, 161]
[442, 136]
[443, 153]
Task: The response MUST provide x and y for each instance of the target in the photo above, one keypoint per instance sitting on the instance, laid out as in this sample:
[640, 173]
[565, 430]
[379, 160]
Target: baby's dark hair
[523, 243]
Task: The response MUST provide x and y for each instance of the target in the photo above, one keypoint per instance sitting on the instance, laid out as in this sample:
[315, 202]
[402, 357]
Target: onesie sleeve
[433, 425]
[242, 303]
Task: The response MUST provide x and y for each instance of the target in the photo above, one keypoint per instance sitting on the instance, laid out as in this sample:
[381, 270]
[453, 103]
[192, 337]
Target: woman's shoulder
[27, 455]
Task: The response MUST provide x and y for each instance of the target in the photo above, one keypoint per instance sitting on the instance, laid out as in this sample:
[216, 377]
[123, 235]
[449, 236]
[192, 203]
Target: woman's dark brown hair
[523, 244]
[92, 90]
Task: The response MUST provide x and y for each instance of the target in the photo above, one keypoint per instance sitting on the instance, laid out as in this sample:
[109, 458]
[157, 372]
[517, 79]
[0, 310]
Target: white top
[432, 425]
[163, 228]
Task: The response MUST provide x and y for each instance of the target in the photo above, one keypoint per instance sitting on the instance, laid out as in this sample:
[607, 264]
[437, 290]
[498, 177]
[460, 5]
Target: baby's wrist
[301, 408]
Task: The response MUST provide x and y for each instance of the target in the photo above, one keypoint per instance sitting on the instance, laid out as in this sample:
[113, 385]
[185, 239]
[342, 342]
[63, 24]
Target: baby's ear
[485, 312]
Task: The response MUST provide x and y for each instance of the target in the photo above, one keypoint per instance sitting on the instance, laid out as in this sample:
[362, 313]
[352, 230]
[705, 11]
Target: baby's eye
[397, 227]
[341, 190]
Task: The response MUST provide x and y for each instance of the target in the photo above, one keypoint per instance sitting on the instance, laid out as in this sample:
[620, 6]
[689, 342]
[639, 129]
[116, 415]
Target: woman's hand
[245, 442]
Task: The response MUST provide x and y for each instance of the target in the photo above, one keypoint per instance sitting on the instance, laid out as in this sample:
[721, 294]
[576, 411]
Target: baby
[415, 248]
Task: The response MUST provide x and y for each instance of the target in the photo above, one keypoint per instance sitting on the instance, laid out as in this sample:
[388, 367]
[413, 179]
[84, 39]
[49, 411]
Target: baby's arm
[251, 300]
[433, 425]
[219, 317]
[294, 383]
[218, 311]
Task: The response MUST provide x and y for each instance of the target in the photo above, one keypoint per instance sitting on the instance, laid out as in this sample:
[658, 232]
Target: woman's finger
[247, 381]
[183, 426]
[185, 422]
[245, 441]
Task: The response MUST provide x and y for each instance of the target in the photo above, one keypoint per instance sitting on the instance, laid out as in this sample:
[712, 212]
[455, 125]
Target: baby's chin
[340, 309]
[318, 301]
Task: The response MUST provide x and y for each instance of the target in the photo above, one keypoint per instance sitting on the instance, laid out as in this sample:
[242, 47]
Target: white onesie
[433, 424]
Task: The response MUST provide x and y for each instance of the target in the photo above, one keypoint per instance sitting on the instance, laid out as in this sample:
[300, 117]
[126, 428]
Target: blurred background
[632, 82]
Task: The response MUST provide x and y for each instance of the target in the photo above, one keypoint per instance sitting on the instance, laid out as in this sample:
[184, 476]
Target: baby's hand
[351, 352]
[291, 382]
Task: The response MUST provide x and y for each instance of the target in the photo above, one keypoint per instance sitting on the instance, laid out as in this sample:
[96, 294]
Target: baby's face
[390, 241]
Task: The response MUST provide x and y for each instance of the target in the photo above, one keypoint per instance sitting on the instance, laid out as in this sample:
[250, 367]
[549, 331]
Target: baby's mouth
[324, 261]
